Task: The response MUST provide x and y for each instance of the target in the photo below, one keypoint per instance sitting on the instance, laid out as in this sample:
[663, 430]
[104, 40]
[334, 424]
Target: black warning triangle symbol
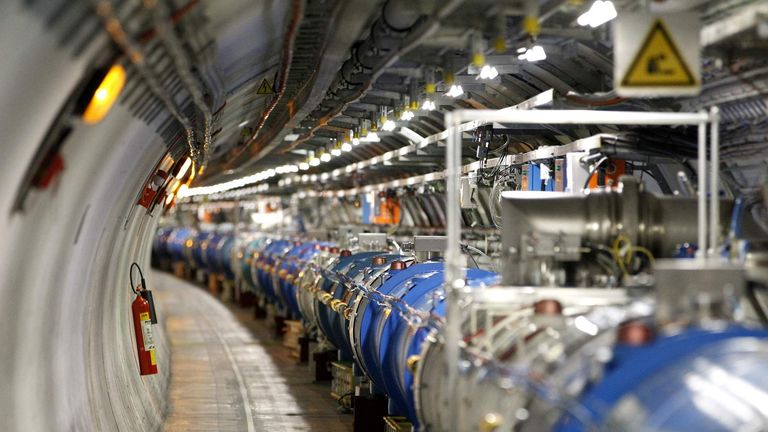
[265, 88]
[658, 62]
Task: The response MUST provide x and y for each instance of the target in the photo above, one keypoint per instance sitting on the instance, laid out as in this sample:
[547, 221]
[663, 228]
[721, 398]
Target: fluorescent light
[488, 72]
[584, 324]
[455, 91]
[388, 126]
[533, 54]
[243, 123]
[184, 168]
[598, 14]
[335, 152]
[291, 137]
[345, 147]
[325, 157]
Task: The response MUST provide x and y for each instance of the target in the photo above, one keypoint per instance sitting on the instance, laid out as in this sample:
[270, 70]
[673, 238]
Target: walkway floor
[229, 374]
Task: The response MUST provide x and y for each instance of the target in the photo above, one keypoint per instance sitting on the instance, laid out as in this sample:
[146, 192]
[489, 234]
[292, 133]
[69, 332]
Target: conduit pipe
[162, 18]
[132, 50]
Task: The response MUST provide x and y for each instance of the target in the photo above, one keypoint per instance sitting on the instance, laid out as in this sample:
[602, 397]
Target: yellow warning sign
[265, 88]
[658, 62]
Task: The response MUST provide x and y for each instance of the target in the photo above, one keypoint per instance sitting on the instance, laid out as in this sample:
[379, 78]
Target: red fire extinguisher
[142, 326]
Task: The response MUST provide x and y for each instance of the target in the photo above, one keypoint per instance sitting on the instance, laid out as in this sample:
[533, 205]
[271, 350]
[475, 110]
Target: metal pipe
[453, 263]
[595, 99]
[714, 185]
[400, 15]
[702, 183]
[583, 117]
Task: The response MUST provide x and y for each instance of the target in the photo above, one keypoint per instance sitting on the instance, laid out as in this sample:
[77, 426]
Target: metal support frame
[454, 275]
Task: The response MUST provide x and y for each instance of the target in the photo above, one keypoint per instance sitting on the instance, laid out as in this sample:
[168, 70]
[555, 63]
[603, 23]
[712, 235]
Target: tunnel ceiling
[244, 86]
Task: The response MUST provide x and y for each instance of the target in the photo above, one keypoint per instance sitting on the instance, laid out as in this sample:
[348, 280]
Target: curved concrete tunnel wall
[68, 355]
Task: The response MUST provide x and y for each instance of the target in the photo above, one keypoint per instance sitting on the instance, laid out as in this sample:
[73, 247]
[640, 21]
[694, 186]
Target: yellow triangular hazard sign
[658, 62]
[265, 88]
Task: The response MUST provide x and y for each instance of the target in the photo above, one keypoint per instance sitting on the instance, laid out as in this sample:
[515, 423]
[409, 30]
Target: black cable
[342, 397]
[594, 170]
[755, 303]
[141, 275]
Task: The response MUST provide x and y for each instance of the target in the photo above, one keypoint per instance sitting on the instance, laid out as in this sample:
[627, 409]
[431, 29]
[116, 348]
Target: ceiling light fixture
[388, 126]
[598, 14]
[371, 137]
[488, 72]
[533, 54]
[455, 91]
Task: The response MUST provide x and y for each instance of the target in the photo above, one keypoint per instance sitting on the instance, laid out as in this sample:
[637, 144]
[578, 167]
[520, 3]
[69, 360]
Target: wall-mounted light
[105, 95]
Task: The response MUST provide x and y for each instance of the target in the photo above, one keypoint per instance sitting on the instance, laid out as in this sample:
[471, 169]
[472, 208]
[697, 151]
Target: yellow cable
[622, 241]
[645, 252]
[617, 252]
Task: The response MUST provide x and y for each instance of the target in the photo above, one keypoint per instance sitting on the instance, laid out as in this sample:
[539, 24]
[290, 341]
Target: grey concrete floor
[229, 374]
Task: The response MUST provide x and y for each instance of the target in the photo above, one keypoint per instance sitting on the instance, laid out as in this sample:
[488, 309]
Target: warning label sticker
[665, 62]
[659, 62]
[265, 88]
[146, 332]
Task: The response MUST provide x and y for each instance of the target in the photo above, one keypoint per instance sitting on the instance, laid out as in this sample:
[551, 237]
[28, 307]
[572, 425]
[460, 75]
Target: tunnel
[390, 215]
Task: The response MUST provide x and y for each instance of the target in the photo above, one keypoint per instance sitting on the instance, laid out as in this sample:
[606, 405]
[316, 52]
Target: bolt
[548, 307]
[635, 333]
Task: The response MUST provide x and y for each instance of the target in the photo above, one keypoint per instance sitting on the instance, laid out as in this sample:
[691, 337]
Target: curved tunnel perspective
[384, 215]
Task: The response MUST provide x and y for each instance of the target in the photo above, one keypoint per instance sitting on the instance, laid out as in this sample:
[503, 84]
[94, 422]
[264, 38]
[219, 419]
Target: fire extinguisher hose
[141, 275]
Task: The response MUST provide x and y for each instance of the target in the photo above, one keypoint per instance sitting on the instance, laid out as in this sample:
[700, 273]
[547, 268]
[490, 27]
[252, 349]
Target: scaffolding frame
[456, 291]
